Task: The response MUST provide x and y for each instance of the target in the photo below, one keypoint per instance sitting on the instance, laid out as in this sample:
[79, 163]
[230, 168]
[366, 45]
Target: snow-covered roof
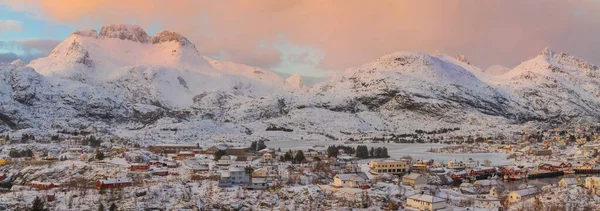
[347, 177]
[40, 183]
[465, 184]
[175, 145]
[426, 198]
[116, 181]
[488, 182]
[571, 181]
[413, 176]
[235, 169]
[527, 191]
[259, 180]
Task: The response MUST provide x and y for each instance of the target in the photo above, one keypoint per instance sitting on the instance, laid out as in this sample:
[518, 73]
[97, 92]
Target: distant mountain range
[135, 85]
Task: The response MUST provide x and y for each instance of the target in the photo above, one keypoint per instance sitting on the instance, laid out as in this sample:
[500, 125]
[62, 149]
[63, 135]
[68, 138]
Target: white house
[426, 202]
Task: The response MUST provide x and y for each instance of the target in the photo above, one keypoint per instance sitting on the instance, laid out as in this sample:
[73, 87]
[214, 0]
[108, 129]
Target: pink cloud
[10, 25]
[352, 32]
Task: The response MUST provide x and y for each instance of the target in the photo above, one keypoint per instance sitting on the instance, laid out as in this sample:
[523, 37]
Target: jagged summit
[551, 62]
[462, 58]
[168, 36]
[134, 33]
[124, 32]
[18, 63]
[296, 81]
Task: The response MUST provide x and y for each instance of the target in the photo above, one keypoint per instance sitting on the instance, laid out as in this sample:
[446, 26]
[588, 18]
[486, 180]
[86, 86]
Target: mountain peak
[125, 32]
[296, 81]
[462, 58]
[547, 52]
[168, 36]
[18, 63]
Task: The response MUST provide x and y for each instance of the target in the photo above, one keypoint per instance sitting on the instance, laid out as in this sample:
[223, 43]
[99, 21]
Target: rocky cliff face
[133, 33]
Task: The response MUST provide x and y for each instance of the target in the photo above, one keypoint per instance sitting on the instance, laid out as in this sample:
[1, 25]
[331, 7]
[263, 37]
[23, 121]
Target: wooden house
[114, 183]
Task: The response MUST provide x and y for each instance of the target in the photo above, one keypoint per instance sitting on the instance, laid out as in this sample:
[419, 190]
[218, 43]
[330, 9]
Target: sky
[316, 38]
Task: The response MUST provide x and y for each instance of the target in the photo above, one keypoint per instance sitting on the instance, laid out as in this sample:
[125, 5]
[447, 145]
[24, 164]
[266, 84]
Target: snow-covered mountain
[496, 70]
[124, 78]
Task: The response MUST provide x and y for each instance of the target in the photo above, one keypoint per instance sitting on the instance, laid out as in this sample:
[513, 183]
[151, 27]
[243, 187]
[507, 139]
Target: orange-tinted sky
[317, 35]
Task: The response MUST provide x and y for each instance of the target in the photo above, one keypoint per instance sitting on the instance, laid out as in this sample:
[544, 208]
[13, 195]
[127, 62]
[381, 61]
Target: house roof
[571, 181]
[176, 145]
[526, 191]
[116, 181]
[259, 180]
[426, 198]
[413, 176]
[487, 182]
[347, 177]
[465, 184]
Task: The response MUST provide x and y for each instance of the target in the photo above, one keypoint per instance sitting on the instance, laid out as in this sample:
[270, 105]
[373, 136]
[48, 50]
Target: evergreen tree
[102, 190]
[113, 207]
[371, 152]
[362, 151]
[253, 146]
[99, 155]
[38, 204]
[299, 156]
[249, 170]
[101, 207]
[384, 153]
[332, 151]
[218, 154]
[377, 152]
[287, 157]
[260, 145]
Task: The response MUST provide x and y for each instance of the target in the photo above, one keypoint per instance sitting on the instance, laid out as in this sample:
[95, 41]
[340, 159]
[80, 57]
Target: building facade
[388, 166]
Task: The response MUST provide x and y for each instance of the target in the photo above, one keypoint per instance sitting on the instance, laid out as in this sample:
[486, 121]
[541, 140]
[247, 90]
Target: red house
[139, 167]
[2, 176]
[50, 197]
[42, 185]
[114, 183]
[171, 165]
[155, 163]
[553, 166]
[160, 172]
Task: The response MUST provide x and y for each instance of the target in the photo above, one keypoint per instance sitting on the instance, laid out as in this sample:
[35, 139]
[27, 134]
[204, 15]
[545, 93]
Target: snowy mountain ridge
[124, 78]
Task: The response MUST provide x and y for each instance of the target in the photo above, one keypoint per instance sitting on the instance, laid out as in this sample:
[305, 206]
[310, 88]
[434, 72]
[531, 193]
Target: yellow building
[414, 180]
[425, 202]
[259, 173]
[593, 184]
[387, 166]
[568, 182]
[267, 157]
[2, 161]
[517, 196]
[348, 180]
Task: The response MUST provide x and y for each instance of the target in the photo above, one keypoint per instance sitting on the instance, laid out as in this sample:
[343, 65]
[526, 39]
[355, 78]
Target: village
[547, 170]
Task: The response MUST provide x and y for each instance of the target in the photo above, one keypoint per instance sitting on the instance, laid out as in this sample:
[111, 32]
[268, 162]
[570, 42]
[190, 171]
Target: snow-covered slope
[29, 99]
[496, 70]
[124, 78]
[557, 86]
[164, 70]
